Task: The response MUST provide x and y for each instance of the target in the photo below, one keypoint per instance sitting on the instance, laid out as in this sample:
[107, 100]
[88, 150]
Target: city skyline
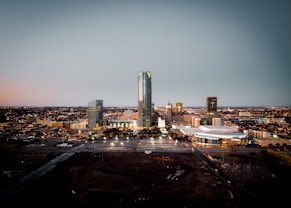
[65, 53]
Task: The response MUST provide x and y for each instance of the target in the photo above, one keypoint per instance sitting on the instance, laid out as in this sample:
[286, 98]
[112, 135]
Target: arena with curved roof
[206, 135]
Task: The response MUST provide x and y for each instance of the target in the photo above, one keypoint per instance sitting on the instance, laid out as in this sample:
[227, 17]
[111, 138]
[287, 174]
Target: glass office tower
[169, 112]
[95, 113]
[144, 99]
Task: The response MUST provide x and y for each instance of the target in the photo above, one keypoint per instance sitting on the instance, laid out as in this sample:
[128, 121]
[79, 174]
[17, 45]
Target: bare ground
[126, 180]
[132, 179]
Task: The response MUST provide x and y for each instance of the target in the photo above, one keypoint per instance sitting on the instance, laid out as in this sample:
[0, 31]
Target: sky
[68, 53]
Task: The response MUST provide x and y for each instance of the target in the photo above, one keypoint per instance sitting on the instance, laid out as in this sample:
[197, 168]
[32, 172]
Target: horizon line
[129, 106]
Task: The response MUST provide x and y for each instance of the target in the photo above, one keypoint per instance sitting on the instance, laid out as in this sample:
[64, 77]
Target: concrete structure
[144, 99]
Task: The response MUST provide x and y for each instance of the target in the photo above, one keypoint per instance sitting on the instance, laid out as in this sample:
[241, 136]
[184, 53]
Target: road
[240, 195]
[34, 175]
[100, 145]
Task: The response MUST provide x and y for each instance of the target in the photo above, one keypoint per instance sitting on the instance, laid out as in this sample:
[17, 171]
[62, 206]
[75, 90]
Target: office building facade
[211, 105]
[95, 113]
[144, 99]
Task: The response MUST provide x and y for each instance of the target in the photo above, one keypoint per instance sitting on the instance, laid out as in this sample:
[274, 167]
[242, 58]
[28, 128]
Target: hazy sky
[67, 53]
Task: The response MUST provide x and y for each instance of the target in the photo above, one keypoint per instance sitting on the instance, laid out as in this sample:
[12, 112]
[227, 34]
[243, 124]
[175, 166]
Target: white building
[217, 121]
[215, 135]
[161, 122]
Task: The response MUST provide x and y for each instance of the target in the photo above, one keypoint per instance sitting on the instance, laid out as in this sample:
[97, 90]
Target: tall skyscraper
[95, 113]
[144, 99]
[211, 104]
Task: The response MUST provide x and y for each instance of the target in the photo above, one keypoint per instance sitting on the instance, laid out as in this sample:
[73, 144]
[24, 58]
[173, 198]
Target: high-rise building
[179, 108]
[211, 104]
[95, 113]
[169, 111]
[144, 99]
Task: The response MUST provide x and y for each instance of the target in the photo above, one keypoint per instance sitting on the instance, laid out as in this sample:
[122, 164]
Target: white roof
[214, 132]
[217, 128]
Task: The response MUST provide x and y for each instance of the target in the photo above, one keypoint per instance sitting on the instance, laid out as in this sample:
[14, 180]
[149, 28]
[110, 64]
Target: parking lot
[156, 144]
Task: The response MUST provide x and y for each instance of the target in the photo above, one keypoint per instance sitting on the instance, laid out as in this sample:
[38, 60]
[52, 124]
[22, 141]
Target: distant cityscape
[33, 140]
[211, 125]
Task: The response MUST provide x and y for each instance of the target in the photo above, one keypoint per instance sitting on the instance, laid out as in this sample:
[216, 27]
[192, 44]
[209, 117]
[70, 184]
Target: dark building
[211, 105]
[95, 113]
[2, 118]
[144, 99]
[211, 110]
[169, 112]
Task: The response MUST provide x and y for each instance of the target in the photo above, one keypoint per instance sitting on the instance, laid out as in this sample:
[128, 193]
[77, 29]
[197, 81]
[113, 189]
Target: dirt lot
[132, 179]
[126, 180]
